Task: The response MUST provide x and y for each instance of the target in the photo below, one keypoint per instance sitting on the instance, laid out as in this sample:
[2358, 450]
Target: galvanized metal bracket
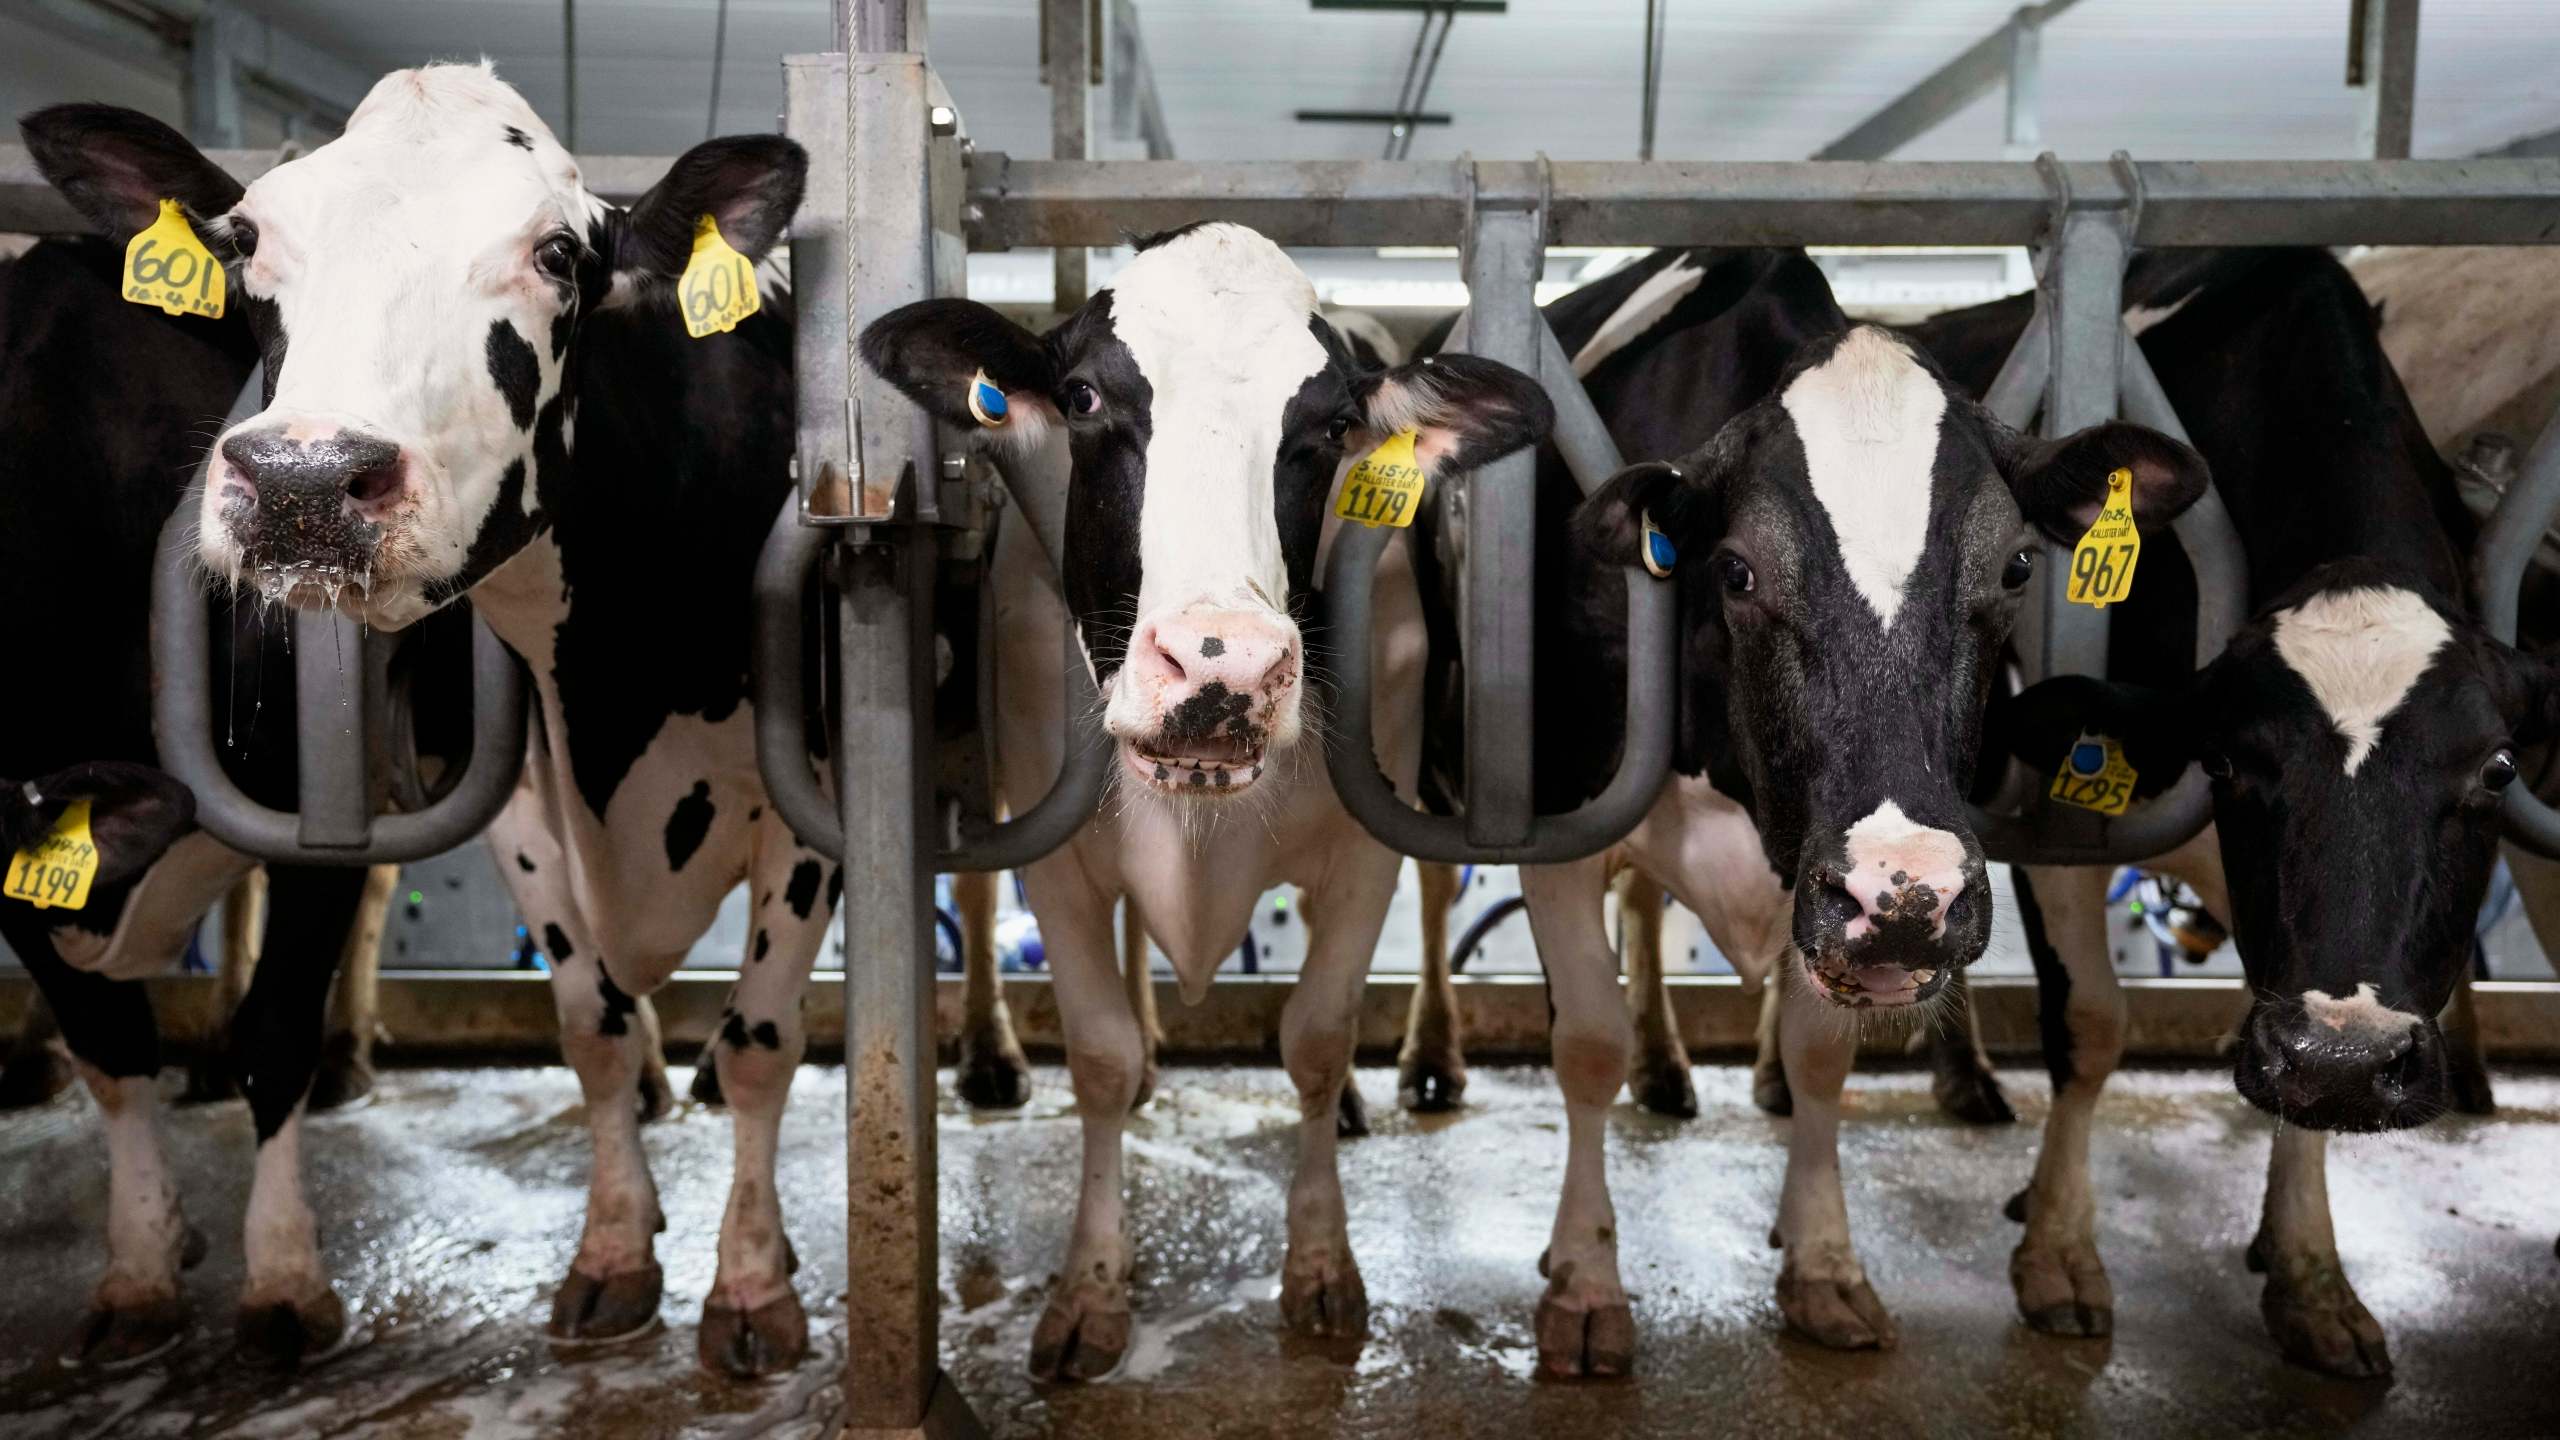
[2499, 560]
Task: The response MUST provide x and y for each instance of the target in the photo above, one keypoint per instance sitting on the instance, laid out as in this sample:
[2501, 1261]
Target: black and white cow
[2358, 732]
[1208, 411]
[441, 303]
[1851, 535]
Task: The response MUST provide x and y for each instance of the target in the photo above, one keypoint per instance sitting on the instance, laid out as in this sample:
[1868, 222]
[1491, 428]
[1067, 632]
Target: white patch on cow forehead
[1220, 322]
[2359, 651]
[1868, 417]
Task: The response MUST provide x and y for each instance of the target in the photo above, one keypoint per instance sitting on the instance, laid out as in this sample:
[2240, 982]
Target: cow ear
[748, 184]
[1465, 411]
[135, 813]
[2061, 484]
[934, 350]
[2155, 727]
[2527, 688]
[1684, 502]
[115, 166]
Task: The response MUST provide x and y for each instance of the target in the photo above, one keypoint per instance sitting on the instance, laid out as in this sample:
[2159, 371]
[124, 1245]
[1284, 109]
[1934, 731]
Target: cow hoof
[2016, 1209]
[112, 1338]
[1584, 1333]
[1972, 1096]
[340, 1082]
[291, 1331]
[994, 1076]
[1147, 1077]
[2062, 1289]
[753, 1344]
[1769, 1091]
[33, 1079]
[1351, 1113]
[2467, 1085]
[209, 1082]
[706, 1084]
[589, 1311]
[1324, 1297]
[1431, 1085]
[1082, 1335]
[2316, 1319]
[1664, 1087]
[192, 1247]
[1832, 1305]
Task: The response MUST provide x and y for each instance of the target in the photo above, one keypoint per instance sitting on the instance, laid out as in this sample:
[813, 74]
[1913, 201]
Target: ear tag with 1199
[57, 869]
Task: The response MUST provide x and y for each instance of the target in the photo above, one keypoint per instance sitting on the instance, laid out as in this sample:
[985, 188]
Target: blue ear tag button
[1658, 554]
[986, 401]
[2088, 758]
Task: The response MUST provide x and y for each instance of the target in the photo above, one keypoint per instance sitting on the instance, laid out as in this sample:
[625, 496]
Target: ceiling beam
[1950, 88]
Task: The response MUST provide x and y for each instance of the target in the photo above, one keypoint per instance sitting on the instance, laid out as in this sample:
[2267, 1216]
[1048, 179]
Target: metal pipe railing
[2499, 560]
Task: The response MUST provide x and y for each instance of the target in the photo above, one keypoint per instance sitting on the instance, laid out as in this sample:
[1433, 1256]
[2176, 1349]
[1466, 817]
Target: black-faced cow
[1849, 535]
[477, 382]
[1208, 412]
[2357, 731]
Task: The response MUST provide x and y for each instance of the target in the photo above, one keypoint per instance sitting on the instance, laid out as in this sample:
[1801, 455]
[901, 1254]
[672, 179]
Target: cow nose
[1204, 666]
[1900, 875]
[286, 471]
[2332, 1076]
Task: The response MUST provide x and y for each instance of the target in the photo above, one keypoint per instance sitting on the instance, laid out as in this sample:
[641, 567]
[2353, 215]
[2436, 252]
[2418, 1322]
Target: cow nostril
[374, 480]
[1171, 662]
[1833, 906]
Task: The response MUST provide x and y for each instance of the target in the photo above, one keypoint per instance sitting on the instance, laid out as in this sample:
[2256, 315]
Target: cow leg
[1659, 1076]
[613, 1286]
[1768, 1072]
[2061, 1283]
[1351, 1113]
[136, 1310]
[753, 1323]
[1959, 1069]
[1321, 1292]
[244, 921]
[993, 1073]
[346, 1058]
[1822, 1289]
[2310, 1308]
[34, 1071]
[287, 1310]
[1138, 974]
[1584, 1325]
[1431, 1069]
[1085, 1329]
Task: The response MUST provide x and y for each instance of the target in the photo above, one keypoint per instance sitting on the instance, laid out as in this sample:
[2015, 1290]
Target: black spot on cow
[1211, 647]
[1210, 710]
[1199, 778]
[764, 942]
[802, 892]
[767, 1034]
[516, 371]
[519, 139]
[556, 943]
[733, 1029]
[690, 822]
[755, 814]
[835, 886]
[563, 325]
[616, 1019]
[524, 862]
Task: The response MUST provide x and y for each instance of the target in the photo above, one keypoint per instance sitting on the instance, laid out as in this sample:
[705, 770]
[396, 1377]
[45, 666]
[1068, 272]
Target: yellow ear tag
[57, 869]
[719, 285]
[2095, 776]
[2102, 563]
[167, 266]
[1385, 488]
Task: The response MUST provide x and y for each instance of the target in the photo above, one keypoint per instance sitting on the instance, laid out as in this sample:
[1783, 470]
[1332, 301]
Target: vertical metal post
[1506, 253]
[1066, 64]
[569, 74]
[1653, 43]
[213, 80]
[2022, 135]
[2084, 300]
[2387, 65]
[329, 740]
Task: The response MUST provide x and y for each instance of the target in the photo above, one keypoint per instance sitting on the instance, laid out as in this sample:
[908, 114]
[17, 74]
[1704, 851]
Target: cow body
[2357, 731]
[1841, 525]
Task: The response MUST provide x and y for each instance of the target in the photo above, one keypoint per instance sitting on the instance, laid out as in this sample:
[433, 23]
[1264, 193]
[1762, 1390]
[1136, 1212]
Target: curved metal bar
[182, 721]
[2505, 548]
[2017, 392]
[2221, 567]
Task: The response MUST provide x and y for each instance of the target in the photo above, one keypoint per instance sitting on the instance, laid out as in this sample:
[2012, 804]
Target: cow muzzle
[299, 510]
[2354, 1064]
[1891, 922]
[1205, 698]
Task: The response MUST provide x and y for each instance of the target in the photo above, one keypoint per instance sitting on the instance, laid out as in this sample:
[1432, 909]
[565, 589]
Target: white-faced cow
[477, 382]
[1849, 535]
[2358, 732]
[1209, 412]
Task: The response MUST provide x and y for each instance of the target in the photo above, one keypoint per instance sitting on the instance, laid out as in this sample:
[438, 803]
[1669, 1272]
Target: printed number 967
[2095, 569]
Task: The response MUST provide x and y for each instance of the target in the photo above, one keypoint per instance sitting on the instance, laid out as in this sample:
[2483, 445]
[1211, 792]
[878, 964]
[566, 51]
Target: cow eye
[1081, 398]
[2216, 764]
[244, 237]
[1734, 571]
[1340, 427]
[2500, 772]
[558, 257]
[2020, 569]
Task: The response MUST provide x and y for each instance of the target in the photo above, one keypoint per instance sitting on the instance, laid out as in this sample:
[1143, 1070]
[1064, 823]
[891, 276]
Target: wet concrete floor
[451, 1202]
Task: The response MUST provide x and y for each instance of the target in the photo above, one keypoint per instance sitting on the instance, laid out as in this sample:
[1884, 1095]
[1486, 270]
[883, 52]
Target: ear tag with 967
[2102, 563]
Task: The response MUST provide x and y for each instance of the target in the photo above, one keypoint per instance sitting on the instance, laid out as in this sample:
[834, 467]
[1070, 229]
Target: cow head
[416, 285]
[1862, 536]
[1209, 410]
[135, 813]
[2359, 734]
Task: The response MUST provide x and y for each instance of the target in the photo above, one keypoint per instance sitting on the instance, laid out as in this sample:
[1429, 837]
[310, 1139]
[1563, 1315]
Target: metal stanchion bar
[1497, 599]
[2499, 561]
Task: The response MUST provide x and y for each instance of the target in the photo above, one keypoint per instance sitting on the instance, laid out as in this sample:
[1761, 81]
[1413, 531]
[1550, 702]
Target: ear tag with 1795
[1385, 488]
[2095, 776]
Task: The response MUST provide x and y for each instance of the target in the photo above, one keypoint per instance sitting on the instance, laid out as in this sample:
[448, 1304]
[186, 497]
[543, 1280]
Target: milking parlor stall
[1279, 717]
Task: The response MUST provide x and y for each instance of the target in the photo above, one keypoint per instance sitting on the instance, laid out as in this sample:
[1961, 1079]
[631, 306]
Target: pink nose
[1201, 668]
[1901, 873]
